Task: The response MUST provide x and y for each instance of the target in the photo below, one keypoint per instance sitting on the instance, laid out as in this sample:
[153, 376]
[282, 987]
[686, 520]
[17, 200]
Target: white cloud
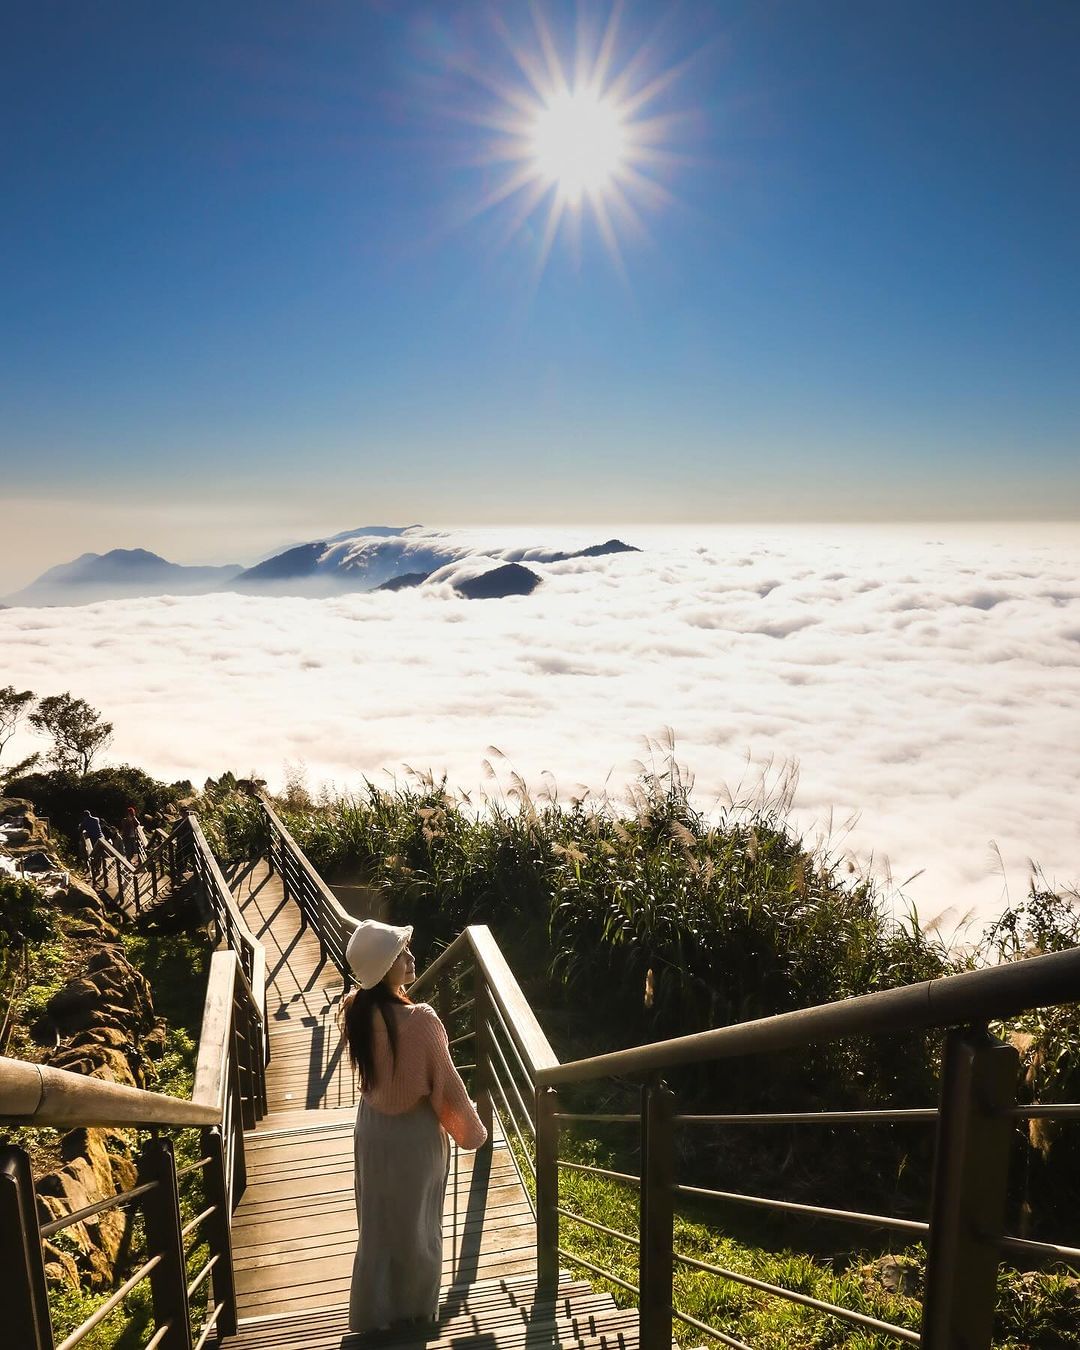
[929, 681]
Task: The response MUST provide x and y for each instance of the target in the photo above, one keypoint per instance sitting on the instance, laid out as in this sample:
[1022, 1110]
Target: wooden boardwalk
[294, 1231]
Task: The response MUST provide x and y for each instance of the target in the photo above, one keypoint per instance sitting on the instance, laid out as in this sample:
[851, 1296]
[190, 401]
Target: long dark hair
[358, 1018]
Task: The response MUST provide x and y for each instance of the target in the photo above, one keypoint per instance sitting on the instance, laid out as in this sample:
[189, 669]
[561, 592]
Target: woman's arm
[449, 1099]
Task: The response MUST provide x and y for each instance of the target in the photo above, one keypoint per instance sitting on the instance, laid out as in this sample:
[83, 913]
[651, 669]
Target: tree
[13, 708]
[78, 731]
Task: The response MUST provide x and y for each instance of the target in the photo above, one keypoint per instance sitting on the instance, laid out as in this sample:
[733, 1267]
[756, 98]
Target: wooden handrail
[211, 1066]
[953, 1000]
[340, 916]
[478, 943]
[35, 1094]
[224, 892]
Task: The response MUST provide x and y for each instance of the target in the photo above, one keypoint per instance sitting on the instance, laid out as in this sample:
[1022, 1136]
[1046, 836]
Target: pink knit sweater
[421, 1068]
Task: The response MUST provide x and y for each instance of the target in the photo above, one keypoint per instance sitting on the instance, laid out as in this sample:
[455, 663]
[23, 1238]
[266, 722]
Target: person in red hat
[411, 1099]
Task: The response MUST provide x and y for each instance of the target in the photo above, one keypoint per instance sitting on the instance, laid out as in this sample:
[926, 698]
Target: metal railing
[229, 1096]
[167, 856]
[300, 882]
[518, 1077]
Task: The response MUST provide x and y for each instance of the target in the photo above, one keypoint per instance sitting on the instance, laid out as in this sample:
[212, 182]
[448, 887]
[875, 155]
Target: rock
[153, 1043]
[15, 807]
[60, 1267]
[897, 1274]
[69, 1006]
[38, 861]
[98, 1035]
[90, 1173]
[77, 895]
[97, 1060]
[510, 579]
[94, 924]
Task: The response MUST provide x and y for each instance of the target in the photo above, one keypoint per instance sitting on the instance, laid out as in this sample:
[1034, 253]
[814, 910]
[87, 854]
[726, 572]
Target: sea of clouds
[926, 679]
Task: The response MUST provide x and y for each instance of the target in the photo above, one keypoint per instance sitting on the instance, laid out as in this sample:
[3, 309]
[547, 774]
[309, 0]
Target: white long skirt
[402, 1164]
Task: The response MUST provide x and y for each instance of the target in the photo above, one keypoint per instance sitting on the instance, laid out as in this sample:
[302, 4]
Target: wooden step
[503, 1314]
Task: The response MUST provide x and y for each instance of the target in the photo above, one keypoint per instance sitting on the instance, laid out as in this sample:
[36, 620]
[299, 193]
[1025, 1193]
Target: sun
[585, 134]
[579, 144]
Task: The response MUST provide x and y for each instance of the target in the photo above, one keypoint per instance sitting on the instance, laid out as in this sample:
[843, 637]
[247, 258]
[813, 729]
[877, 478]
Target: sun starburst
[580, 138]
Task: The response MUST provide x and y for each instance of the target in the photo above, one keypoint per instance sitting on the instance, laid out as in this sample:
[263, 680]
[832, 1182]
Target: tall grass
[631, 921]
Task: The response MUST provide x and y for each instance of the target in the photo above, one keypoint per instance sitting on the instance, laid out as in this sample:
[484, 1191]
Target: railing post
[26, 1302]
[168, 1281]
[971, 1167]
[657, 1216]
[483, 1067]
[238, 1180]
[242, 1063]
[219, 1232]
[547, 1188]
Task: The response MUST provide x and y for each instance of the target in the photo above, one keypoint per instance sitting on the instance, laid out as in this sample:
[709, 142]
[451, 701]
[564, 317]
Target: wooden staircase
[294, 1231]
[506, 1313]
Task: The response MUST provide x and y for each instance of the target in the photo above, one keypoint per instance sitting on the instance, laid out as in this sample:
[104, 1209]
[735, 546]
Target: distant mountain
[122, 573]
[376, 557]
[301, 561]
[383, 558]
[377, 530]
[510, 579]
[405, 582]
[551, 556]
[351, 562]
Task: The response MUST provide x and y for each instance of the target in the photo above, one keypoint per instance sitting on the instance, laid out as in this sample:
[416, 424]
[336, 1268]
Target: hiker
[411, 1098]
[133, 836]
[92, 830]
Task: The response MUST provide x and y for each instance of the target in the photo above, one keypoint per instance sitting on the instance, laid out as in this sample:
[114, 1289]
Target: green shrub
[63, 796]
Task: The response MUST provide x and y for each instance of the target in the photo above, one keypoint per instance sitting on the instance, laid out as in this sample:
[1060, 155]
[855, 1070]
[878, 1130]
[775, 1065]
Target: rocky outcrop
[94, 1167]
[20, 828]
[111, 996]
[102, 1024]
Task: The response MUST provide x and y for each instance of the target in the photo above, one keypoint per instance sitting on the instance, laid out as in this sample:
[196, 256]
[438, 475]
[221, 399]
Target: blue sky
[238, 264]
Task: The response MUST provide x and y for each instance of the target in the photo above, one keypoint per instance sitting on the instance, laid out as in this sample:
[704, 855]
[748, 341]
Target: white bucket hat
[373, 949]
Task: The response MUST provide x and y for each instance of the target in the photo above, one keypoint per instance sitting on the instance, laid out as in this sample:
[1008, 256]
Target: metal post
[657, 1216]
[26, 1302]
[219, 1231]
[242, 1059]
[168, 1281]
[971, 1169]
[483, 1067]
[547, 1189]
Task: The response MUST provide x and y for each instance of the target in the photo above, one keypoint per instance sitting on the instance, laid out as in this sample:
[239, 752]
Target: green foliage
[177, 965]
[14, 706]
[24, 916]
[62, 796]
[26, 923]
[78, 731]
[657, 922]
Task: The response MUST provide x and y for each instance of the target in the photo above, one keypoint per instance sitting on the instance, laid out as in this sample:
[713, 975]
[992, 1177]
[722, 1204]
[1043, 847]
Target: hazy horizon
[30, 547]
[927, 680]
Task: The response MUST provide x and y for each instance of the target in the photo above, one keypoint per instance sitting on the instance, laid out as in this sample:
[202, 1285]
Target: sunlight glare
[578, 143]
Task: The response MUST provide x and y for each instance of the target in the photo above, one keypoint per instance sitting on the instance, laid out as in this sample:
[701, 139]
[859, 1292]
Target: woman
[411, 1098]
[133, 835]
